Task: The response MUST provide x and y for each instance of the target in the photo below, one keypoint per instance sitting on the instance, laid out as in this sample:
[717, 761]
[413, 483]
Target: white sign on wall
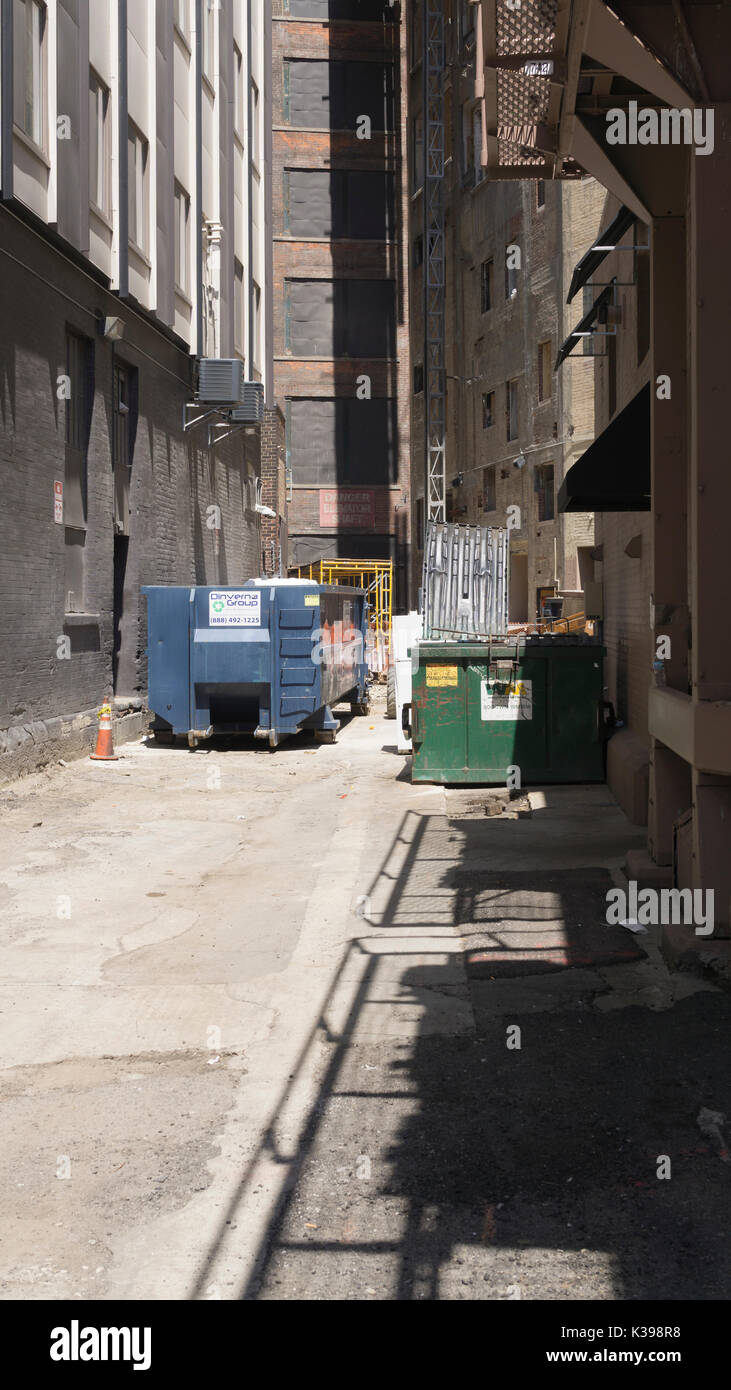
[234, 608]
[498, 703]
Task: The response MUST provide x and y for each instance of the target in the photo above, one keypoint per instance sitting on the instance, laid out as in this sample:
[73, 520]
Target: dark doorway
[124, 652]
[121, 550]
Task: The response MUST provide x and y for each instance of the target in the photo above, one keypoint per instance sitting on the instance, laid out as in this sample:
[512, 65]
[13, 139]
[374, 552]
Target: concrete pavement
[256, 1013]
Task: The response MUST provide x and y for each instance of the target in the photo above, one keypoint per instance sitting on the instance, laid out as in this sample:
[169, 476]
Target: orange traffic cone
[104, 752]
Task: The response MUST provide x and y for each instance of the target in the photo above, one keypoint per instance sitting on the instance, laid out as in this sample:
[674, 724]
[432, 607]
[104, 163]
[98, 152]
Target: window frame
[34, 63]
[239, 309]
[181, 19]
[488, 409]
[100, 95]
[141, 185]
[239, 110]
[487, 281]
[181, 199]
[254, 123]
[511, 394]
[543, 491]
[544, 376]
[208, 40]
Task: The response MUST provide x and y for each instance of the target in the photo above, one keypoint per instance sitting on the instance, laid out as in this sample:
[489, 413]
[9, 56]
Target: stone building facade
[513, 425]
[134, 240]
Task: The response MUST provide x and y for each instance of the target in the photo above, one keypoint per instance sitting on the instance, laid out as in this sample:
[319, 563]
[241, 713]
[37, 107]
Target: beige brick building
[513, 425]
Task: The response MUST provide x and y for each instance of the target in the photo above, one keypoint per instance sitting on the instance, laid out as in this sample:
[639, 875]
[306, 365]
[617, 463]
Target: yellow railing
[376, 578]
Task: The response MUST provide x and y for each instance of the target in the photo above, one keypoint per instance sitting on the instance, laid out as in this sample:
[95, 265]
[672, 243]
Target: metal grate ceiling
[530, 28]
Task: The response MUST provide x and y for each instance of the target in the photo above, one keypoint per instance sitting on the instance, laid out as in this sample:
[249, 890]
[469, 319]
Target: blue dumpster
[270, 657]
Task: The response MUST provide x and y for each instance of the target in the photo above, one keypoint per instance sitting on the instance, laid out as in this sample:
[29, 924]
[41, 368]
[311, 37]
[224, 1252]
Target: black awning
[603, 245]
[584, 326]
[614, 473]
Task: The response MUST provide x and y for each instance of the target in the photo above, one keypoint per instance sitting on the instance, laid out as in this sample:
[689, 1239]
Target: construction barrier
[376, 578]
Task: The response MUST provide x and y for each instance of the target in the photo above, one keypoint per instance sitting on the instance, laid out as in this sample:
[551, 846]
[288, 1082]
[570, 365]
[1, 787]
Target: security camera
[519, 462]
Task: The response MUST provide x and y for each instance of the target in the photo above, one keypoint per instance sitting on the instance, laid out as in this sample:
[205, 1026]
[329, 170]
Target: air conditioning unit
[251, 409]
[220, 381]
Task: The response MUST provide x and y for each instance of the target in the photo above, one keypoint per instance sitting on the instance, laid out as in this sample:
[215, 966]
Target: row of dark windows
[370, 10]
[334, 203]
[340, 318]
[342, 440]
[322, 95]
[489, 415]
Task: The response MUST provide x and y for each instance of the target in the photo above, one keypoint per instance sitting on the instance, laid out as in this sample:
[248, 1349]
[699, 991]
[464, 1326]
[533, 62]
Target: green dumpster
[482, 708]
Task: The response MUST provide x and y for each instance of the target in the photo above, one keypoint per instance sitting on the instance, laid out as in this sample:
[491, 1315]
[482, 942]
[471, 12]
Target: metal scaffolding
[434, 259]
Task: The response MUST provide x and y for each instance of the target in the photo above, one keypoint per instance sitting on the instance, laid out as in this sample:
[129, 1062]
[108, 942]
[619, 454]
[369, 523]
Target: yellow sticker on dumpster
[312, 600]
[442, 675]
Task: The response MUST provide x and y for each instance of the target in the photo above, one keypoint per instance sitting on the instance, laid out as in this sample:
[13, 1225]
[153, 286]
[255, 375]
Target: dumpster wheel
[362, 707]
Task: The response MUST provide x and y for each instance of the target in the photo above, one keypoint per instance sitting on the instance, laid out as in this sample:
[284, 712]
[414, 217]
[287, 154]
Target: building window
[418, 251]
[488, 410]
[138, 189]
[125, 428]
[544, 492]
[466, 20]
[208, 38]
[79, 406]
[256, 325]
[512, 263]
[100, 147]
[239, 310]
[416, 33]
[30, 76]
[418, 379]
[417, 154]
[254, 132]
[511, 410]
[544, 371]
[182, 239]
[238, 92]
[540, 193]
[470, 154]
[480, 173]
[489, 490]
[486, 289]
[182, 17]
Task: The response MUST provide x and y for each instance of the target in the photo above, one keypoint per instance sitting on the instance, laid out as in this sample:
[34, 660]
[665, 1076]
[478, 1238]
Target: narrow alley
[284, 1026]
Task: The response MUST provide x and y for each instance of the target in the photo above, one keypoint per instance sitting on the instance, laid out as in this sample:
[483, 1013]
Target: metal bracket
[189, 424]
[224, 432]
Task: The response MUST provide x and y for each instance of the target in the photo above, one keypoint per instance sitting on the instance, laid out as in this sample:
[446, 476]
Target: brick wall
[485, 350]
[337, 260]
[192, 517]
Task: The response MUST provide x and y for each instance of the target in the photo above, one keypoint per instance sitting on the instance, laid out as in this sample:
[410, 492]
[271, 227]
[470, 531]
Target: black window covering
[331, 96]
[339, 203]
[374, 10]
[343, 441]
[340, 318]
